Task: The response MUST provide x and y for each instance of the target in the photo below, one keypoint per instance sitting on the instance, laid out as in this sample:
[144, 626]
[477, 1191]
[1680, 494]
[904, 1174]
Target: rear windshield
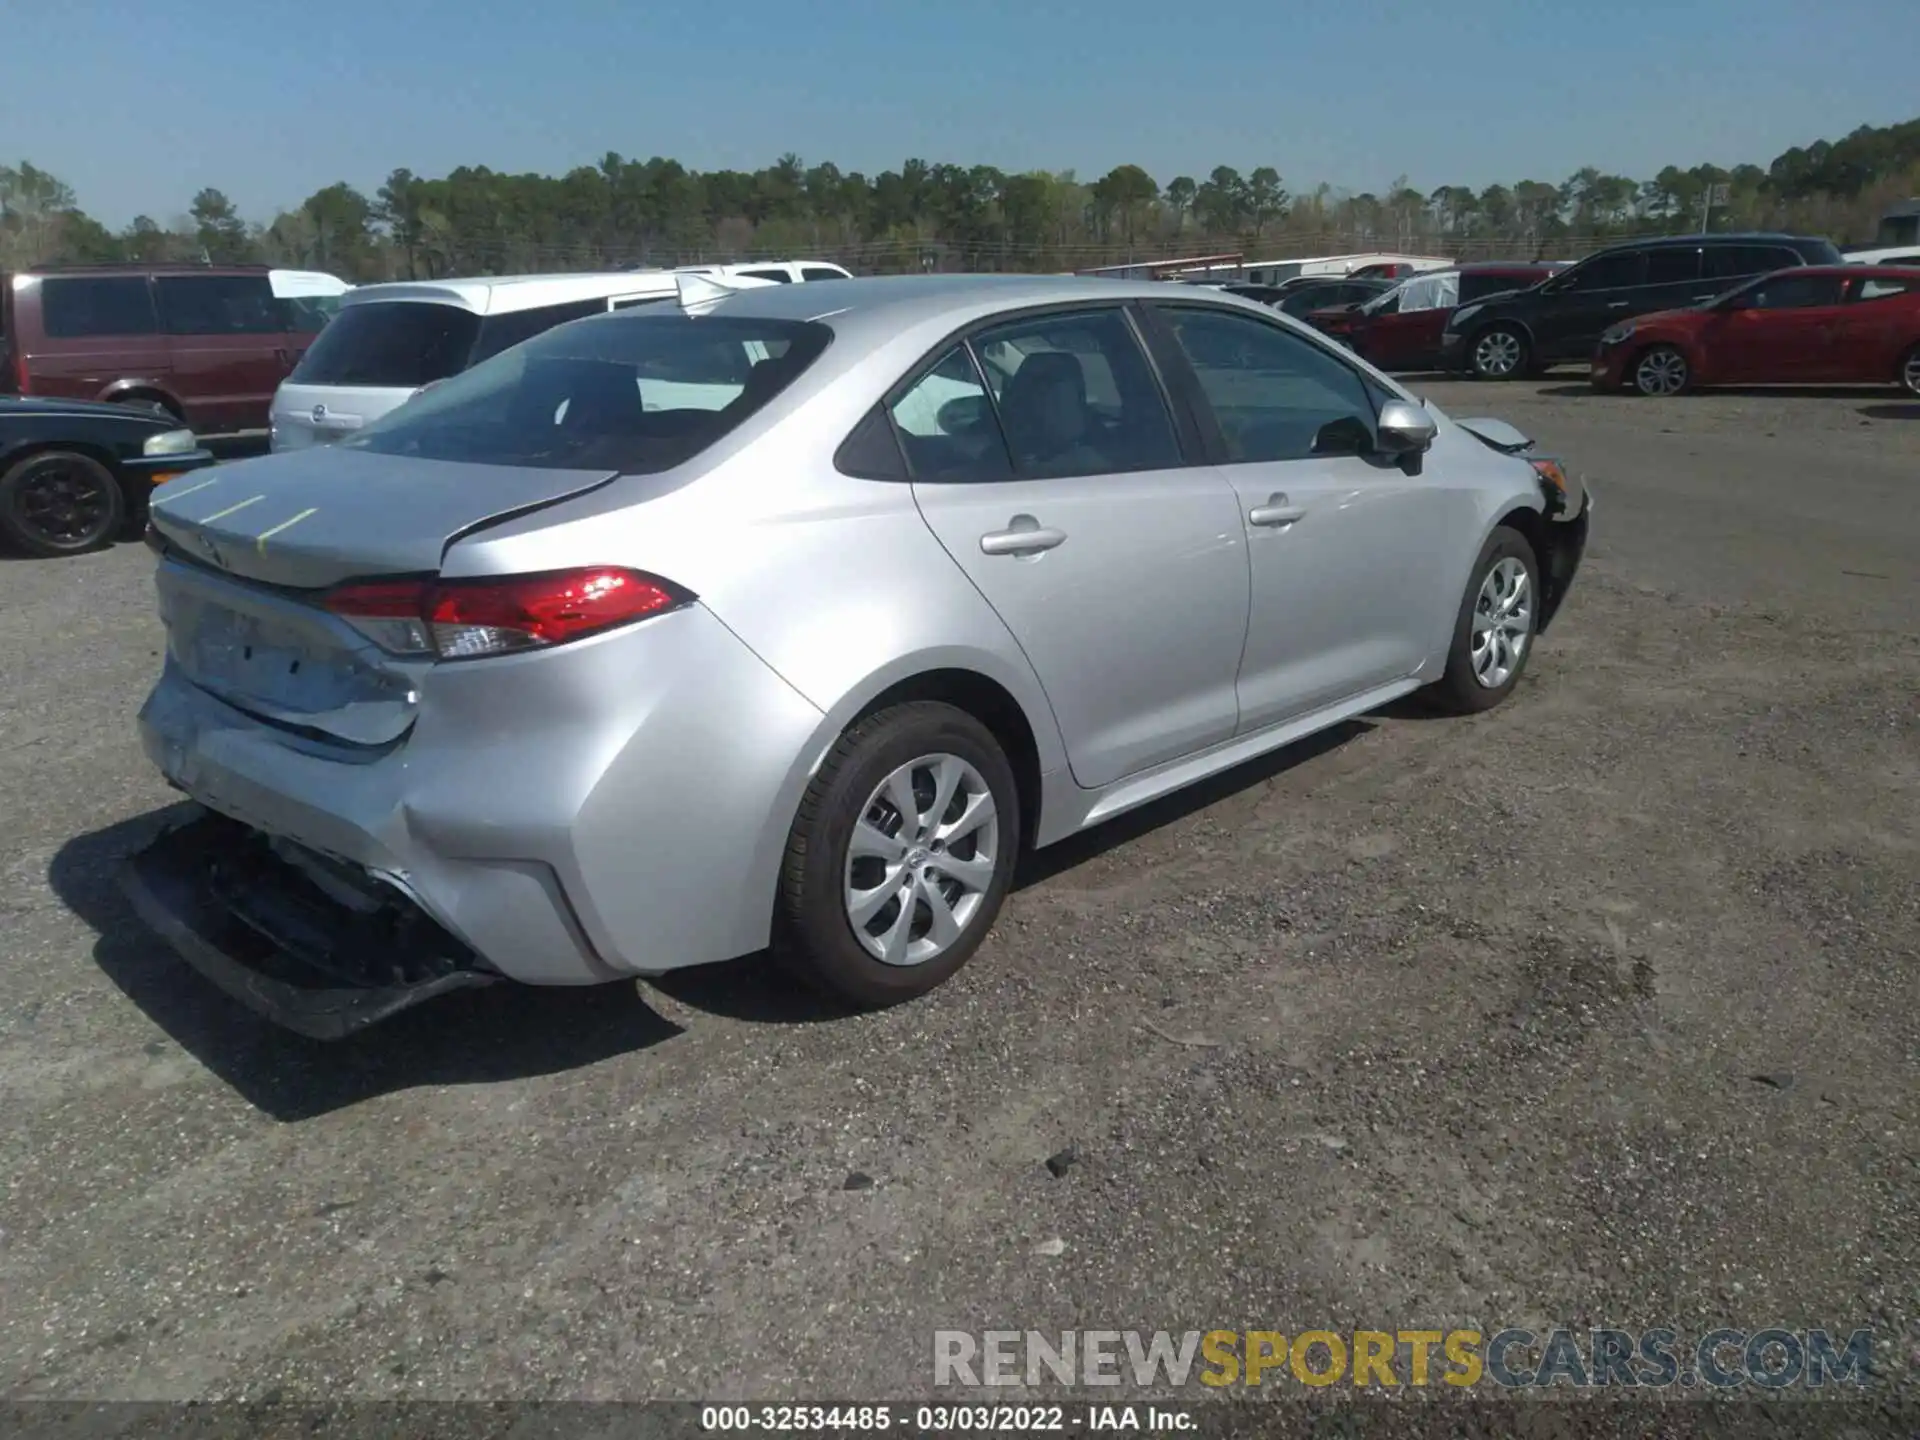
[634, 392]
[401, 344]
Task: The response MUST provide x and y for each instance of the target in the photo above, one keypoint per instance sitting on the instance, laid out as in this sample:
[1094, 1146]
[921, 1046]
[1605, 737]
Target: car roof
[868, 310]
[504, 294]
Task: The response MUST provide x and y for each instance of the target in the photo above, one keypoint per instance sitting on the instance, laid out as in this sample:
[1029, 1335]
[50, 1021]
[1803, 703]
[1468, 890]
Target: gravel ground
[1599, 1009]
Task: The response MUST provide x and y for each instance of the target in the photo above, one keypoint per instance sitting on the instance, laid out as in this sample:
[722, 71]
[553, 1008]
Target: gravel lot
[1599, 1009]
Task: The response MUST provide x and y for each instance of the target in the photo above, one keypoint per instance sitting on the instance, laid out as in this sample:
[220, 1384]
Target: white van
[312, 295]
[390, 340]
[781, 272]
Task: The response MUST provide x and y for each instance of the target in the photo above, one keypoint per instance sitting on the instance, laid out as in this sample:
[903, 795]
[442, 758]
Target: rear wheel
[901, 855]
[1910, 371]
[1493, 634]
[1500, 352]
[1661, 370]
[60, 502]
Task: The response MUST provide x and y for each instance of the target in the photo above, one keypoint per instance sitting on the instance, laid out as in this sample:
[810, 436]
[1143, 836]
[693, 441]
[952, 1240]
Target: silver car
[791, 617]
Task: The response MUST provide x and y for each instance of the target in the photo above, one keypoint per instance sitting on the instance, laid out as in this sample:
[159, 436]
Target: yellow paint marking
[222, 514]
[191, 489]
[260, 540]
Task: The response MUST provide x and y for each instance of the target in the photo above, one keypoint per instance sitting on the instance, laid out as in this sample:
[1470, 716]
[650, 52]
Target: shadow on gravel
[1891, 412]
[504, 1032]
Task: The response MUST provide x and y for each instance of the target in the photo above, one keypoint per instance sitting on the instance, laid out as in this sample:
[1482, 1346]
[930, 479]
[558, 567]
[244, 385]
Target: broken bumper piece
[299, 939]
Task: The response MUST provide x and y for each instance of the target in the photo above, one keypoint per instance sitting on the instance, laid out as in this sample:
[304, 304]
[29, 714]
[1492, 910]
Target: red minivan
[207, 343]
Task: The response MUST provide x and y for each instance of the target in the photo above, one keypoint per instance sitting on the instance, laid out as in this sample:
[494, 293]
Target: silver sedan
[791, 616]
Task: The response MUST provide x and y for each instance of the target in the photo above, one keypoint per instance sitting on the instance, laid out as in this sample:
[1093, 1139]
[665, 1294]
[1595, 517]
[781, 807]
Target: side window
[504, 331]
[1798, 292]
[1475, 286]
[1730, 262]
[1275, 395]
[1075, 396]
[1880, 287]
[946, 424]
[72, 309]
[1673, 265]
[632, 302]
[220, 305]
[819, 272]
[1609, 272]
[778, 275]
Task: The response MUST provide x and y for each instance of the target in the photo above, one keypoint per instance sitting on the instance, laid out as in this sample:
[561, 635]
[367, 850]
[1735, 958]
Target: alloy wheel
[66, 504]
[1497, 353]
[921, 859]
[1502, 622]
[1910, 372]
[1661, 372]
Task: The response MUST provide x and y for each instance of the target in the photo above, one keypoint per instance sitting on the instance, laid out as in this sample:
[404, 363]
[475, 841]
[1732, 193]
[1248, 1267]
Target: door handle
[1023, 536]
[1618, 304]
[1278, 511]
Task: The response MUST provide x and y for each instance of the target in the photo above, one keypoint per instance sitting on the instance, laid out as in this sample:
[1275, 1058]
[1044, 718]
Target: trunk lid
[314, 518]
[251, 546]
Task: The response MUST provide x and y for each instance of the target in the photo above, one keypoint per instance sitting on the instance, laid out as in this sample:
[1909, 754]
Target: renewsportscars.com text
[1770, 1359]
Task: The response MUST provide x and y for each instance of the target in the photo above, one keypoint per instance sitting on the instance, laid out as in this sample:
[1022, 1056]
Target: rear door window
[780, 276]
[633, 393]
[819, 272]
[1673, 265]
[1730, 262]
[75, 307]
[220, 305]
[390, 344]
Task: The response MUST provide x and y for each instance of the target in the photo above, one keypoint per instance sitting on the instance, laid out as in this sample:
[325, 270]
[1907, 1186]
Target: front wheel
[1500, 352]
[1910, 372]
[1493, 634]
[900, 857]
[1661, 371]
[60, 502]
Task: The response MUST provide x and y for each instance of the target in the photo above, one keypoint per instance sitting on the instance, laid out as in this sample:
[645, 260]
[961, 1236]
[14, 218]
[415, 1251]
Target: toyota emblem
[319, 413]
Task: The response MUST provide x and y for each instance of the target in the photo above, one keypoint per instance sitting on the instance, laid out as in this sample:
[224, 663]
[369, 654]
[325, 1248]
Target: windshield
[637, 393]
[1386, 303]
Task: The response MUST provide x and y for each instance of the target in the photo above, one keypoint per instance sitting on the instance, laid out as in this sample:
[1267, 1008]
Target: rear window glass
[97, 305]
[400, 344]
[637, 393]
[506, 330]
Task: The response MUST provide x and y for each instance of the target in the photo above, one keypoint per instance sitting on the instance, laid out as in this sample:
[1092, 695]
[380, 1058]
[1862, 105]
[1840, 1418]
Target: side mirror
[1404, 429]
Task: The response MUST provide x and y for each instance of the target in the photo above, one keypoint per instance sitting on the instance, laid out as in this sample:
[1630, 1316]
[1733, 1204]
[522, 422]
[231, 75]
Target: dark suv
[207, 344]
[1561, 318]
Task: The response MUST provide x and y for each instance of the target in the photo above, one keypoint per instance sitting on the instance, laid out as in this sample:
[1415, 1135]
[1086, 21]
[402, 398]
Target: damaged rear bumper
[294, 938]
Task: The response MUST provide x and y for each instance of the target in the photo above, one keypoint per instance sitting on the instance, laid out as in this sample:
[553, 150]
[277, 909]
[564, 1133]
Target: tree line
[924, 215]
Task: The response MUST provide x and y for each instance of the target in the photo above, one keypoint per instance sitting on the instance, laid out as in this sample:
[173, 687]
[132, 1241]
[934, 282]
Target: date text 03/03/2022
[945, 1419]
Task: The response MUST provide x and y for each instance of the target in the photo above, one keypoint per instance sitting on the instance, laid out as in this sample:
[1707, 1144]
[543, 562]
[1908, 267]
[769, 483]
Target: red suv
[206, 343]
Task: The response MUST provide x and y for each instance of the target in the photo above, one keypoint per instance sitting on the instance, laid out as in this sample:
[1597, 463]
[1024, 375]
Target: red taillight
[467, 619]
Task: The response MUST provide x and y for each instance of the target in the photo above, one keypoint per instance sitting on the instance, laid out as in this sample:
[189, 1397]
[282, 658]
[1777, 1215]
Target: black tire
[814, 933]
[60, 502]
[1460, 689]
[1910, 371]
[1500, 352]
[1660, 371]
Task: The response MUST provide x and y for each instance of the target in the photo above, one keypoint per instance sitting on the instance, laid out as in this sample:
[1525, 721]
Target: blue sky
[139, 103]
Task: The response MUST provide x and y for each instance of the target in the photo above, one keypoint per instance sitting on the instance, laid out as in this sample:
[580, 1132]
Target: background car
[592, 683]
[73, 473]
[1560, 319]
[204, 344]
[1401, 329]
[388, 341]
[1846, 324]
[1331, 295]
